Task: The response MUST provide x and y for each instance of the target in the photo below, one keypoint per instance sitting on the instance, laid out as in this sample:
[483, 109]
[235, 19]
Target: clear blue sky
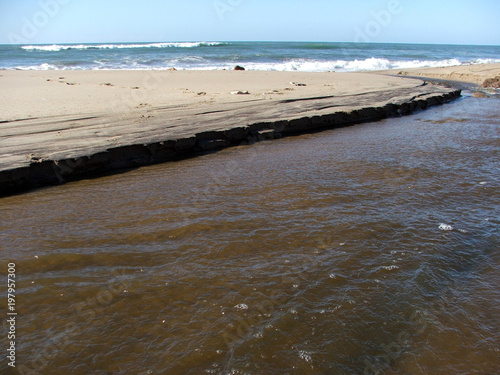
[393, 21]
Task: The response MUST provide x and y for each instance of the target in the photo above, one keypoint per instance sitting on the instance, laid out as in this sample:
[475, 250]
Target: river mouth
[320, 253]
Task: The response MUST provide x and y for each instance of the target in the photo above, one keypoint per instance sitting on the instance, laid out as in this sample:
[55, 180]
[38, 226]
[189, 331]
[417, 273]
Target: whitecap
[43, 66]
[64, 47]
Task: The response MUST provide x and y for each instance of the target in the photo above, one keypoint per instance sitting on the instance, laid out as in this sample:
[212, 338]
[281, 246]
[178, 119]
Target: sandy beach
[30, 94]
[474, 74]
[50, 116]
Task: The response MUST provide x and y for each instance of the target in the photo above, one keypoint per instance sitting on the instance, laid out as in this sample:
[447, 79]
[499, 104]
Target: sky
[377, 21]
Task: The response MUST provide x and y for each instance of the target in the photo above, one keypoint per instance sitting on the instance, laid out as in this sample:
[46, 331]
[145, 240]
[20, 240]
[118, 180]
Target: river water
[327, 253]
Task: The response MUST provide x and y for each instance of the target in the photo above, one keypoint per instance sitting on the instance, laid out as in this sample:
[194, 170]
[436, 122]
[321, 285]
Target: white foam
[44, 66]
[306, 356]
[445, 227]
[485, 61]
[63, 47]
[201, 63]
[349, 65]
[390, 268]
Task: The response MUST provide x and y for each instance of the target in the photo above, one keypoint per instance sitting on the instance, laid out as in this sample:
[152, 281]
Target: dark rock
[213, 144]
[236, 135]
[185, 144]
[237, 67]
[492, 83]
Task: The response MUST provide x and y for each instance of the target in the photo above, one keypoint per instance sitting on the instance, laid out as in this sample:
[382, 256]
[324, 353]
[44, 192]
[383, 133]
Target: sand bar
[474, 74]
[57, 126]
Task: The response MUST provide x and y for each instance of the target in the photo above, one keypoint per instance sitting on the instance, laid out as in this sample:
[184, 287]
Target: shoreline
[472, 74]
[118, 121]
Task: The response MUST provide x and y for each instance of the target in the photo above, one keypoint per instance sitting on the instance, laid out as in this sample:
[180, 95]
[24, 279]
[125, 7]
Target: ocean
[280, 56]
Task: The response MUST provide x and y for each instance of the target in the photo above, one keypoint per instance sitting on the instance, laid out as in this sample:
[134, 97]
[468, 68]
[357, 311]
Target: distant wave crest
[64, 47]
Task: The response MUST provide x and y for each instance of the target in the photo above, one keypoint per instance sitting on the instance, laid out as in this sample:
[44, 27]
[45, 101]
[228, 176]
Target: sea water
[281, 56]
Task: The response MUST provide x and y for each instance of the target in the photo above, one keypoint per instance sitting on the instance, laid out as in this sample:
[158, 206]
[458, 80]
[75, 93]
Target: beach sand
[474, 74]
[56, 116]
[29, 94]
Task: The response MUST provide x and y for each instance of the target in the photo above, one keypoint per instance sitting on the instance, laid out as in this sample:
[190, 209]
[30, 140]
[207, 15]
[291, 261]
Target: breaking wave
[65, 47]
[356, 65]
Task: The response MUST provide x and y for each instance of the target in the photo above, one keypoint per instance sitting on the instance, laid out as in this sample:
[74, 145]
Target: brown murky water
[318, 254]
